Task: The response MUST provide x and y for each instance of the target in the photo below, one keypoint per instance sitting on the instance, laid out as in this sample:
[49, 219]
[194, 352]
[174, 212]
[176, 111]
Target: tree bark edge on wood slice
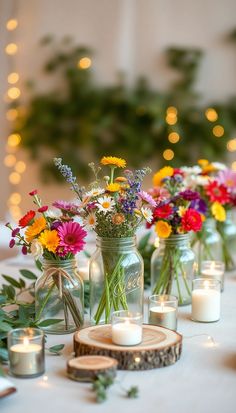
[87, 368]
[160, 347]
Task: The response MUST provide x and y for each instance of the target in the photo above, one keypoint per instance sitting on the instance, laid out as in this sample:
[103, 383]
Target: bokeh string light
[17, 167]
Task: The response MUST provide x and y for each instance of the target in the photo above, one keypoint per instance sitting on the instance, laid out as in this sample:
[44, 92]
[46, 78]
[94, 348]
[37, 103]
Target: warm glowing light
[11, 48]
[15, 198]
[168, 154]
[25, 341]
[171, 110]
[9, 160]
[11, 114]
[173, 137]
[211, 115]
[15, 212]
[13, 78]
[45, 378]
[13, 92]
[218, 131]
[171, 119]
[14, 178]
[233, 166]
[20, 167]
[14, 139]
[137, 359]
[84, 63]
[11, 24]
[231, 145]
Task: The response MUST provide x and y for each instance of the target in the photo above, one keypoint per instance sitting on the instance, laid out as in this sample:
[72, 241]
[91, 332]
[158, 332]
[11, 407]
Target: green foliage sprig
[78, 116]
[103, 382]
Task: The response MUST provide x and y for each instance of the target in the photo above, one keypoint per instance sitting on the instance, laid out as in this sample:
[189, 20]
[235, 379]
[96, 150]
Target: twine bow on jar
[59, 273]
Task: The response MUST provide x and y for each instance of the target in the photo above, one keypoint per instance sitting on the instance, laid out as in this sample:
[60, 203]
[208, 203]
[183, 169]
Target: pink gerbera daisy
[71, 236]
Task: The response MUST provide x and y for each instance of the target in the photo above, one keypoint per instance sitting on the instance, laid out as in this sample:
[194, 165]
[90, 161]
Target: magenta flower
[43, 208]
[69, 207]
[147, 198]
[227, 178]
[12, 243]
[24, 250]
[71, 236]
[15, 232]
[34, 192]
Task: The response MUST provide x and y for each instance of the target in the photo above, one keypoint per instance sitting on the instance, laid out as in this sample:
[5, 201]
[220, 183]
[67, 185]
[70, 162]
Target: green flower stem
[184, 279]
[112, 174]
[38, 315]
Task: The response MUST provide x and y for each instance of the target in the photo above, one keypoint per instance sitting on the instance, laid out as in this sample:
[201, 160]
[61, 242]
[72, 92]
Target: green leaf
[49, 321]
[3, 355]
[39, 265]
[3, 299]
[56, 349]
[133, 392]
[4, 327]
[22, 283]
[11, 281]
[28, 274]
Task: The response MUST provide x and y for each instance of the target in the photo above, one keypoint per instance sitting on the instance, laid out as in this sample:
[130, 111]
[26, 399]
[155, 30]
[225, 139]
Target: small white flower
[147, 214]
[219, 166]
[90, 220]
[105, 204]
[53, 213]
[95, 192]
[36, 249]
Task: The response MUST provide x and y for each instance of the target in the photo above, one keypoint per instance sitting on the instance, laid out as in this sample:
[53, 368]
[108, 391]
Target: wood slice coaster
[86, 368]
[160, 347]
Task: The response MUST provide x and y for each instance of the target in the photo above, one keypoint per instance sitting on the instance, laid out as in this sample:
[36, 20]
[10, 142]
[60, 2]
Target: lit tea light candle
[84, 272]
[163, 311]
[26, 352]
[213, 270]
[206, 300]
[126, 328]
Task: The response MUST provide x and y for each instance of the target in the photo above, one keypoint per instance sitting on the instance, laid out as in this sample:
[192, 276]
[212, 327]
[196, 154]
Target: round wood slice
[86, 368]
[160, 347]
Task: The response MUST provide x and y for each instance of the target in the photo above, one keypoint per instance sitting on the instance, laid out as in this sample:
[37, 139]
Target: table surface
[203, 380]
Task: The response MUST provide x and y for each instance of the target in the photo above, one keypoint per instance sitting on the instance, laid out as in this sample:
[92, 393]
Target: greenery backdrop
[80, 119]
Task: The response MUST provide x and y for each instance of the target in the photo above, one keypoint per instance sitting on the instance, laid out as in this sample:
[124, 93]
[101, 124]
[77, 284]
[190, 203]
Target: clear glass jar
[116, 278]
[59, 294]
[227, 230]
[172, 268]
[207, 243]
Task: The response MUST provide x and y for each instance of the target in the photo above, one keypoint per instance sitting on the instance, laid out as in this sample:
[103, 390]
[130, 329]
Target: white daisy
[53, 213]
[105, 204]
[90, 220]
[36, 249]
[95, 192]
[147, 214]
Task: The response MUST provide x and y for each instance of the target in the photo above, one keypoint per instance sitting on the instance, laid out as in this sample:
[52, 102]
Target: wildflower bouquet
[113, 206]
[178, 212]
[54, 238]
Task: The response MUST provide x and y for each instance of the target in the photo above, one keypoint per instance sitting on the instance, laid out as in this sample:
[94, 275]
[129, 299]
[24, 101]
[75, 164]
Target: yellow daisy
[203, 162]
[113, 161]
[218, 211]
[161, 174]
[50, 240]
[38, 226]
[113, 187]
[163, 229]
[181, 210]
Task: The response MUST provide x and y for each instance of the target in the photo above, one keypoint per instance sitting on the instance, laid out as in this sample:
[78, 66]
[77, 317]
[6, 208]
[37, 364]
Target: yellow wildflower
[113, 161]
[38, 226]
[121, 179]
[208, 168]
[218, 211]
[50, 240]
[182, 210]
[163, 229]
[161, 174]
[113, 187]
[203, 162]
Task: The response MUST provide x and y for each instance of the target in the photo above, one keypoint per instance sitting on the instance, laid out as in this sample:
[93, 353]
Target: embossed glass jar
[116, 278]
[207, 243]
[227, 230]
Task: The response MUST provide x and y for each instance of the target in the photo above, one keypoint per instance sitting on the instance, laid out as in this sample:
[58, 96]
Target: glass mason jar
[59, 294]
[207, 243]
[172, 268]
[227, 230]
[116, 278]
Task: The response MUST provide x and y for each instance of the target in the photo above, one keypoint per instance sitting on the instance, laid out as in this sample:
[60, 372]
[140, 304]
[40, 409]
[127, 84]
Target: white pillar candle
[26, 358]
[126, 333]
[205, 303]
[164, 316]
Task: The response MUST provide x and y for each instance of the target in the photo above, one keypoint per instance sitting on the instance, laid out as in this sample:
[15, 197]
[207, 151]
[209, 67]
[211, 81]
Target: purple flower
[15, 232]
[92, 205]
[69, 207]
[189, 195]
[12, 243]
[199, 205]
[24, 250]
[128, 206]
[56, 224]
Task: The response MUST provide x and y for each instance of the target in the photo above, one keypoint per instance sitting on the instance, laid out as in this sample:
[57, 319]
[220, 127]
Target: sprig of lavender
[66, 172]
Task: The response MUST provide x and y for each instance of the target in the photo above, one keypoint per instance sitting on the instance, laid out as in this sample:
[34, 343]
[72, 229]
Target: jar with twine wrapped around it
[59, 296]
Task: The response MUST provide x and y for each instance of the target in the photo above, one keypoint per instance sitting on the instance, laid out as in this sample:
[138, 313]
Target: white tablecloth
[202, 381]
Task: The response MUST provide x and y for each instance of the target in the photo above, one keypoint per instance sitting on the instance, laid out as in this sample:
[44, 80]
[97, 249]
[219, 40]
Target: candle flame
[25, 341]
[206, 284]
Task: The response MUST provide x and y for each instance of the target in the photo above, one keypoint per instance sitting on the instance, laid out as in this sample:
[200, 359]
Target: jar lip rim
[174, 236]
[167, 299]
[39, 331]
[115, 238]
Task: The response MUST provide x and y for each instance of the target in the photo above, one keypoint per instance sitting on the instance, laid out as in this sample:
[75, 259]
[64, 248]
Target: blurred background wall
[127, 35]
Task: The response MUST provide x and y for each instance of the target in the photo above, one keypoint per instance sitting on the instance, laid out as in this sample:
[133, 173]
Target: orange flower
[161, 174]
[113, 161]
[38, 226]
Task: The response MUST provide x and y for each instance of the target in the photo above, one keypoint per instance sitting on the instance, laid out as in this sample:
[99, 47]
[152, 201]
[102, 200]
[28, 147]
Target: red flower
[191, 220]
[34, 192]
[25, 220]
[163, 211]
[12, 243]
[24, 250]
[178, 171]
[43, 208]
[217, 192]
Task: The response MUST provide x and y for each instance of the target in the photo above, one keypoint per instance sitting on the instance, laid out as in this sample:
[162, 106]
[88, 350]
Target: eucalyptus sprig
[103, 382]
